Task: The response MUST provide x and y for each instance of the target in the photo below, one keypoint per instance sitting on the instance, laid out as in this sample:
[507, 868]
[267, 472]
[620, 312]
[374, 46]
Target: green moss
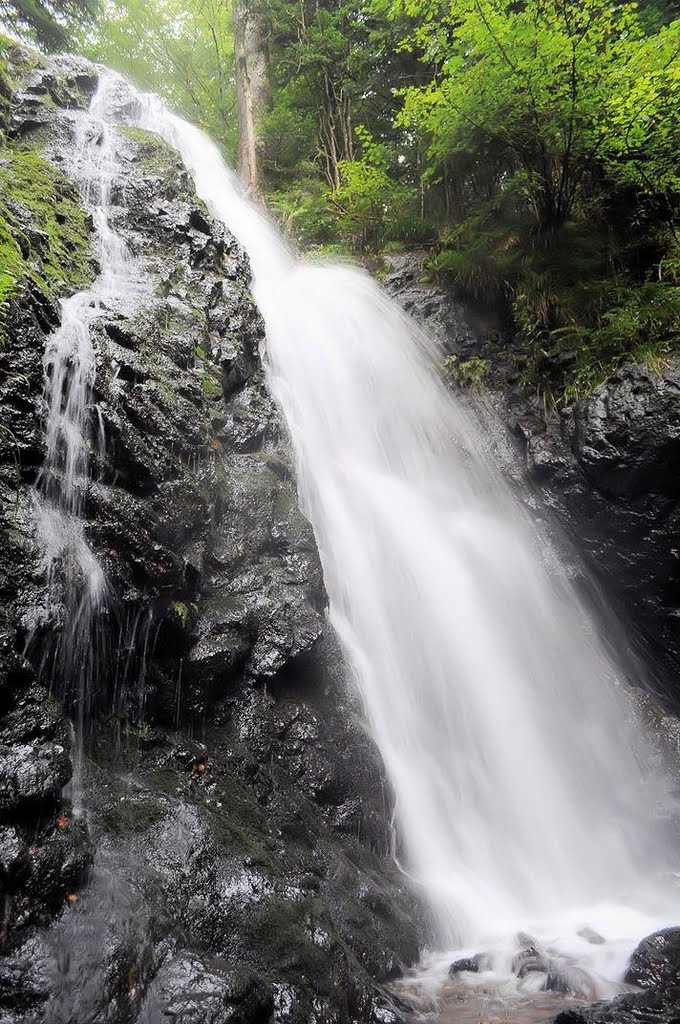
[164, 780]
[238, 830]
[44, 236]
[233, 816]
[125, 815]
[153, 153]
[284, 501]
[139, 135]
[5, 91]
[16, 59]
[212, 387]
[184, 613]
[283, 927]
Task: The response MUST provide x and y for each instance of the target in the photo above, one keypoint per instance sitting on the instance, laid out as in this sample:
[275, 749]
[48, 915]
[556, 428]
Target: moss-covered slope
[44, 231]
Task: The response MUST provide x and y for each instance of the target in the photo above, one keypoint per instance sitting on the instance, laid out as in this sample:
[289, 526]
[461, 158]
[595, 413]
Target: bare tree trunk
[253, 86]
[335, 130]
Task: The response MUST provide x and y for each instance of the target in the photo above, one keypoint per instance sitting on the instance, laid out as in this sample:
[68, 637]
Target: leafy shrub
[469, 373]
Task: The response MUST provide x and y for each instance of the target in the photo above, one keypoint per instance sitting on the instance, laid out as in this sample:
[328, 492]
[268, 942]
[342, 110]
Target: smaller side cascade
[78, 593]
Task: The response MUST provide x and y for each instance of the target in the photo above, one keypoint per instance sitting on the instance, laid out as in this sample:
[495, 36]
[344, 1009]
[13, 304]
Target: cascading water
[76, 581]
[523, 799]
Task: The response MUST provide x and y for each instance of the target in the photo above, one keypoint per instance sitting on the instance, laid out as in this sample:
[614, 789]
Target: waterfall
[523, 794]
[76, 583]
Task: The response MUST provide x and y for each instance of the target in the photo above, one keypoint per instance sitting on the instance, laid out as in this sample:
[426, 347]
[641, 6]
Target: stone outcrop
[232, 859]
[608, 467]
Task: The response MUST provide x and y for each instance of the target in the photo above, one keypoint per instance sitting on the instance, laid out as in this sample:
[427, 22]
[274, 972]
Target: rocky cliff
[228, 855]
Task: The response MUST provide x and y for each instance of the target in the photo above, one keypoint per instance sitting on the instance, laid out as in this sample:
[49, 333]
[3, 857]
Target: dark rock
[655, 968]
[32, 773]
[616, 455]
[652, 1007]
[22, 989]
[11, 850]
[656, 961]
[559, 974]
[626, 435]
[528, 960]
[591, 936]
[430, 303]
[196, 989]
[474, 964]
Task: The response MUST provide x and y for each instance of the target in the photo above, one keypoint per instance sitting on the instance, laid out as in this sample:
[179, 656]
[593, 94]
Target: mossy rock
[129, 814]
[286, 928]
[44, 231]
[212, 388]
[153, 153]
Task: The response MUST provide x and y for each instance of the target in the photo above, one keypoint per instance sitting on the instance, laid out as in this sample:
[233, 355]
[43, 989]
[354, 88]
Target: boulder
[626, 435]
[656, 961]
[473, 964]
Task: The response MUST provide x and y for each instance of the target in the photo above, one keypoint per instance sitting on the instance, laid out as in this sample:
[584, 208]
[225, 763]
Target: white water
[523, 795]
[75, 577]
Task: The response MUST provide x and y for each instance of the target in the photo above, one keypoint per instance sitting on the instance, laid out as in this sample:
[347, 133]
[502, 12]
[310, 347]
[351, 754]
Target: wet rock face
[430, 304]
[656, 961]
[626, 435]
[609, 468]
[235, 862]
[196, 989]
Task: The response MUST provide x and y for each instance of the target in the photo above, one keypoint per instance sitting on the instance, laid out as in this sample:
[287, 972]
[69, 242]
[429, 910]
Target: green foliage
[305, 211]
[181, 49]
[469, 373]
[534, 143]
[333, 154]
[49, 23]
[550, 92]
[365, 194]
[552, 137]
[644, 327]
[289, 133]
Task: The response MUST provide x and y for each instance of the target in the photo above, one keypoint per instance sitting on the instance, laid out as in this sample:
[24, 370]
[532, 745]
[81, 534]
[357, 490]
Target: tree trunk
[253, 86]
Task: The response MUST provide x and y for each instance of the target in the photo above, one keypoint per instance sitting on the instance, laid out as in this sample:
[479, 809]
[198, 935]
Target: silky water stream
[77, 590]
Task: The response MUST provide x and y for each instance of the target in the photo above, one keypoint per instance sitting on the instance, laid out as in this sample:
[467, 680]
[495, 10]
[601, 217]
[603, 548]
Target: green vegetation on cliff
[49, 22]
[553, 138]
[44, 233]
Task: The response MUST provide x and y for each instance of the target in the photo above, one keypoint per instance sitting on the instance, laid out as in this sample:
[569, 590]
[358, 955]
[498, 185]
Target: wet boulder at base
[236, 838]
[656, 962]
